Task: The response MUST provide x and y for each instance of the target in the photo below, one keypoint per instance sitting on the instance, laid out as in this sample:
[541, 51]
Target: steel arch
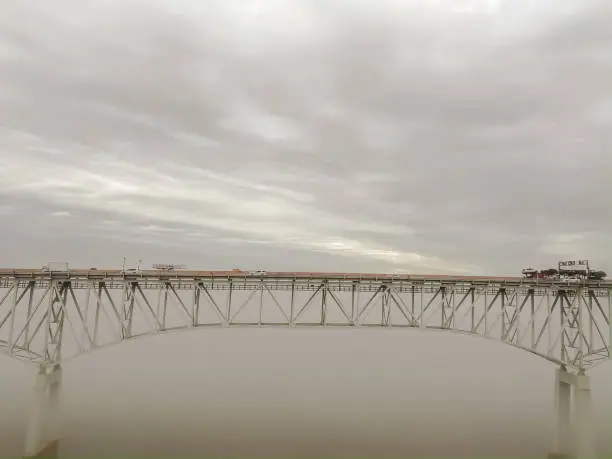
[49, 319]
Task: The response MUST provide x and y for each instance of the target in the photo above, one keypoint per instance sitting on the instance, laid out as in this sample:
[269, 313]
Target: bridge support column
[562, 444]
[572, 434]
[42, 436]
[583, 428]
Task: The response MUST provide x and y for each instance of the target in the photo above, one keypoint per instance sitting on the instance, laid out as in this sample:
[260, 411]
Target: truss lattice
[52, 319]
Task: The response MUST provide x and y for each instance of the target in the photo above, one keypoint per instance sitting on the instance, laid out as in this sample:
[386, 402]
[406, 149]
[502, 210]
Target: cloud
[203, 199]
[402, 136]
[566, 246]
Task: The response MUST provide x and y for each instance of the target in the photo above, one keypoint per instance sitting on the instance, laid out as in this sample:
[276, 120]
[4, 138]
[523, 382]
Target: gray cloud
[422, 138]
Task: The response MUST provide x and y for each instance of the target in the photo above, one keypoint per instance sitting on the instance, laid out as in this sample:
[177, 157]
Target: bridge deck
[201, 274]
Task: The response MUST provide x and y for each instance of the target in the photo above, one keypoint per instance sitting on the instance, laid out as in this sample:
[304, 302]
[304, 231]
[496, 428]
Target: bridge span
[48, 318]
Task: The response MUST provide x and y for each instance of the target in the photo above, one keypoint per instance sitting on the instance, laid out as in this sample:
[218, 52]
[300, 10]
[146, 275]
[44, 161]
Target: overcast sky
[306, 135]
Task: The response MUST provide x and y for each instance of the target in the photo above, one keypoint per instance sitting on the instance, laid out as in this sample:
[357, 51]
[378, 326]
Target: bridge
[48, 318]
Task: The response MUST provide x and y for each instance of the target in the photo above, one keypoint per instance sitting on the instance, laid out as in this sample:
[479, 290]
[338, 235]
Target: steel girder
[50, 320]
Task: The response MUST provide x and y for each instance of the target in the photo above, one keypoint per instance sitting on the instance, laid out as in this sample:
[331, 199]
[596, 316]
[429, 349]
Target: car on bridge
[259, 272]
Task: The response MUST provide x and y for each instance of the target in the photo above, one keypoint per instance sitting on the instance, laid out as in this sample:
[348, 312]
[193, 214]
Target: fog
[286, 393]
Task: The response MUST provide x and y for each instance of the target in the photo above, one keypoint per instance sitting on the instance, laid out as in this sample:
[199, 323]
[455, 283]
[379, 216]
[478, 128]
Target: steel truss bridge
[49, 318]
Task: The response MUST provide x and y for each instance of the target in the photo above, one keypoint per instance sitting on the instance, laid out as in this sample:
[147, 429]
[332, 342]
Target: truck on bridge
[167, 267]
[55, 267]
[566, 271]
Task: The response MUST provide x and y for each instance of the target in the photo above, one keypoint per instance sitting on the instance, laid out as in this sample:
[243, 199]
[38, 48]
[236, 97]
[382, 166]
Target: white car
[571, 279]
[259, 272]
